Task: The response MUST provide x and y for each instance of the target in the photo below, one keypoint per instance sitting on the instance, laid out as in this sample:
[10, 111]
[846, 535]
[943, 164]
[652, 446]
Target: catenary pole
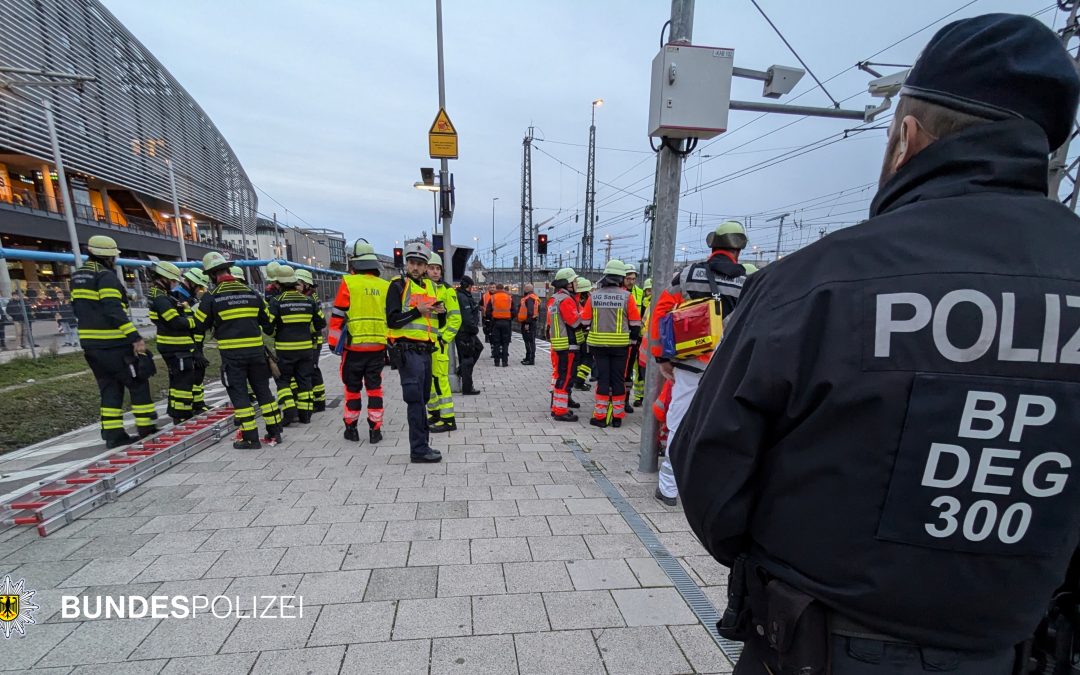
[662, 262]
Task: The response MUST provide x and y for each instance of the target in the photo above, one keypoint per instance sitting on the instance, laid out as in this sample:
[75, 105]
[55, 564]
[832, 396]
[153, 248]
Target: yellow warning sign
[442, 137]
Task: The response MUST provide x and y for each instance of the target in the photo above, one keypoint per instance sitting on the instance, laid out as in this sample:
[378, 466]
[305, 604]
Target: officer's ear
[913, 140]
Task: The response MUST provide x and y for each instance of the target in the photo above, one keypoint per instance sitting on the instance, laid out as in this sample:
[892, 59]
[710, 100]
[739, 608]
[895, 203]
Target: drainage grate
[686, 587]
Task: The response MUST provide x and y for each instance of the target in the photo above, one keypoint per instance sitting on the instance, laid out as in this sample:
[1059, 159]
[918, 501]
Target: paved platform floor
[505, 558]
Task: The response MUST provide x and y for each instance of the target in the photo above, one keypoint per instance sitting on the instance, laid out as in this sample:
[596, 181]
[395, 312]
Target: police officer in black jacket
[890, 431]
[468, 344]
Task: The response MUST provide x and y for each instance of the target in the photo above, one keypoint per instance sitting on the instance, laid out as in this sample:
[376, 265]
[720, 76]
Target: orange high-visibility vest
[501, 304]
[523, 308]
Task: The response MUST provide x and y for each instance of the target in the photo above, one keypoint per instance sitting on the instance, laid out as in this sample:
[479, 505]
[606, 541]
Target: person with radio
[412, 315]
[722, 277]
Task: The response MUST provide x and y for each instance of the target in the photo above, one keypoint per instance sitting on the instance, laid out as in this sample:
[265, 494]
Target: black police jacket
[892, 424]
[470, 314]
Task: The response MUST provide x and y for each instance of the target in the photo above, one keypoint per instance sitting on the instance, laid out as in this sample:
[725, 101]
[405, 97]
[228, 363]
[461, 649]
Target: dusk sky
[327, 104]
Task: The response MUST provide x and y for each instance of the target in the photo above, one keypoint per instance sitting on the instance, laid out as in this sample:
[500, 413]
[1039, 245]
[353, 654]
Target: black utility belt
[411, 346]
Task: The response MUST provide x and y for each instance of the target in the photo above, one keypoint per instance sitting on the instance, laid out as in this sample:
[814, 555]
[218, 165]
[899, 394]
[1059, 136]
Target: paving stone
[492, 655]
[584, 524]
[246, 562]
[475, 579]
[530, 479]
[46, 550]
[558, 492]
[354, 533]
[177, 566]
[708, 570]
[102, 641]
[331, 498]
[541, 507]
[420, 494]
[174, 542]
[243, 537]
[614, 524]
[681, 544]
[352, 513]
[698, 646]
[111, 546]
[177, 523]
[433, 510]
[594, 506]
[412, 530]
[396, 511]
[225, 519]
[648, 650]
[447, 552]
[527, 577]
[648, 573]
[567, 547]
[467, 528]
[370, 556]
[438, 617]
[310, 661]
[515, 492]
[590, 575]
[129, 668]
[323, 588]
[371, 496]
[282, 516]
[402, 582]
[100, 572]
[582, 609]
[408, 657]
[312, 559]
[557, 652]
[247, 588]
[353, 622]
[615, 546]
[252, 635]
[25, 651]
[509, 614]
[221, 503]
[468, 493]
[229, 664]
[200, 635]
[186, 587]
[500, 550]
[492, 507]
[653, 607]
[522, 526]
[286, 536]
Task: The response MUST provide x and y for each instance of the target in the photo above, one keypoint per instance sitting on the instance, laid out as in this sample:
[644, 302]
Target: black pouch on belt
[796, 627]
[393, 353]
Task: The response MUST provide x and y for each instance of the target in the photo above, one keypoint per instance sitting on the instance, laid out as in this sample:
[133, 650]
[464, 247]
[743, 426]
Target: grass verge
[45, 409]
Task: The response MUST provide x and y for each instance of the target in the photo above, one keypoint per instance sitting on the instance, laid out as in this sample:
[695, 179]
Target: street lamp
[433, 188]
[493, 200]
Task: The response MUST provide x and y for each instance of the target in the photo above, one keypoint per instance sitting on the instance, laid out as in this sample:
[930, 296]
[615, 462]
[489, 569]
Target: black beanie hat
[1000, 66]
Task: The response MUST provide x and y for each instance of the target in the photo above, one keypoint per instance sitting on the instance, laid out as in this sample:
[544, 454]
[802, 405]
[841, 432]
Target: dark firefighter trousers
[238, 371]
[182, 378]
[501, 330]
[295, 400]
[112, 372]
[528, 333]
[318, 386]
[609, 364]
[360, 371]
[415, 371]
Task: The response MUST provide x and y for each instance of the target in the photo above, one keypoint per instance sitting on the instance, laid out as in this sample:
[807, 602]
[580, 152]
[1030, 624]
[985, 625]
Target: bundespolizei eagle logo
[16, 607]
